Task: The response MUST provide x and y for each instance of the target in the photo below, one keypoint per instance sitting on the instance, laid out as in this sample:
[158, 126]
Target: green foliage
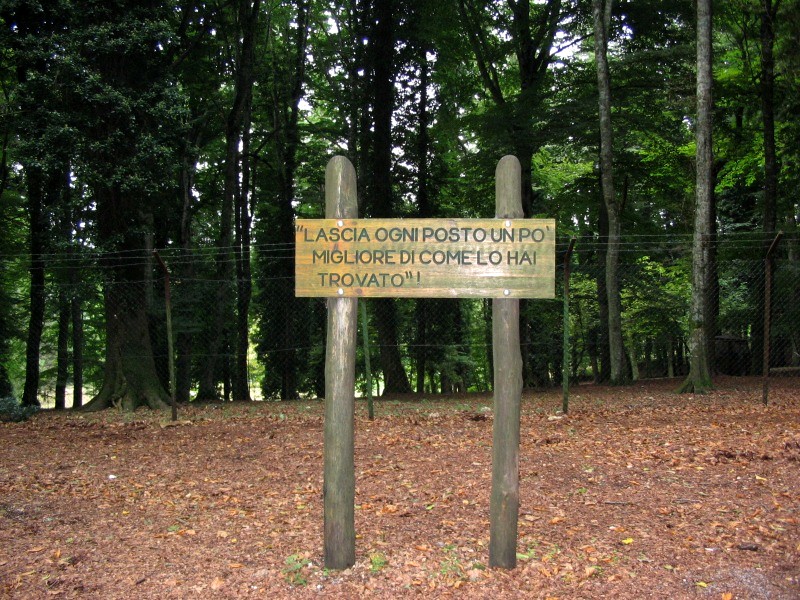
[656, 299]
[377, 562]
[296, 570]
[13, 411]
[132, 97]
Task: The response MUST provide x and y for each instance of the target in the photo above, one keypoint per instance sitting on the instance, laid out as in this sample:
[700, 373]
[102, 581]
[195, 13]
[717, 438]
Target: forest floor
[637, 493]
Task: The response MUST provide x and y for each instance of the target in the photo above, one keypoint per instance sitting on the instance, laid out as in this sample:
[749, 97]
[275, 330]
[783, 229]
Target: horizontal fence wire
[230, 322]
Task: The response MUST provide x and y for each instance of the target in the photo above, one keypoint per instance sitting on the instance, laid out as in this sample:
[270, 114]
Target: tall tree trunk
[287, 119]
[37, 292]
[77, 351]
[793, 244]
[185, 339]
[425, 211]
[244, 283]
[383, 55]
[394, 374]
[421, 354]
[234, 127]
[603, 372]
[533, 41]
[699, 378]
[601, 11]
[62, 352]
[771, 167]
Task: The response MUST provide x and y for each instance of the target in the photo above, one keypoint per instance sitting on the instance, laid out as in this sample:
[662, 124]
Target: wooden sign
[425, 258]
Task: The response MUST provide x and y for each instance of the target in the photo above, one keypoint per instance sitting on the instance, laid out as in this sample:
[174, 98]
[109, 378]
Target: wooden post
[339, 486]
[565, 354]
[504, 503]
[769, 267]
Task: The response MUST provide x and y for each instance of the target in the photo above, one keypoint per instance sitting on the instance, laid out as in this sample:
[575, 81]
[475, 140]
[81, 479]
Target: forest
[161, 141]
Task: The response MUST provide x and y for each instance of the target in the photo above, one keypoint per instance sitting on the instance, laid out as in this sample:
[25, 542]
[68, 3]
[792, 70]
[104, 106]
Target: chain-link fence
[238, 331]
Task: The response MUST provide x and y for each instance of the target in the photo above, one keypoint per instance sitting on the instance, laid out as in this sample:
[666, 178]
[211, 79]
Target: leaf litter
[638, 492]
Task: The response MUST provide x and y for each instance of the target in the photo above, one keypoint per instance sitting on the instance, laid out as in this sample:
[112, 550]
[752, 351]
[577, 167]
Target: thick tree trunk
[130, 379]
[616, 347]
[699, 378]
[6, 389]
[395, 377]
[65, 227]
[286, 110]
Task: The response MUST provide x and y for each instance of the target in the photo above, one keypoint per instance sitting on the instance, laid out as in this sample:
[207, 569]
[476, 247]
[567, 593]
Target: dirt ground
[637, 493]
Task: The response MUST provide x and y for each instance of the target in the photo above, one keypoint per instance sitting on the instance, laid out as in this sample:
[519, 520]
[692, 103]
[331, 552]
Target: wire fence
[238, 331]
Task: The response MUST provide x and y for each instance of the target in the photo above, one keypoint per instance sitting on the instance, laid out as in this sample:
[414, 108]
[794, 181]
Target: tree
[237, 122]
[42, 153]
[601, 11]
[768, 12]
[699, 378]
[379, 188]
[127, 114]
[283, 85]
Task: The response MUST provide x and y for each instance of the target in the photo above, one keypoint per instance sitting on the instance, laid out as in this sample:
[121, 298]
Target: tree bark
[771, 167]
[699, 378]
[602, 373]
[77, 351]
[793, 245]
[185, 340]
[37, 292]
[601, 12]
[130, 379]
[286, 121]
[381, 199]
[62, 352]
[244, 283]
[236, 122]
[424, 210]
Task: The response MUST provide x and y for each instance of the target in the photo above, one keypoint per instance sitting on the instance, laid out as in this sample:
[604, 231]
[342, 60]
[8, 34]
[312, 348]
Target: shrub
[12, 411]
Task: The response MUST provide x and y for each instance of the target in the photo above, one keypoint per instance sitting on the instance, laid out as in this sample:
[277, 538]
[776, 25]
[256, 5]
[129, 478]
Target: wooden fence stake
[339, 487]
[507, 358]
[565, 354]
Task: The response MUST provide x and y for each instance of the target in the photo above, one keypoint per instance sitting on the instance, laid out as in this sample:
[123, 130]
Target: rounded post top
[341, 199]
[508, 188]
